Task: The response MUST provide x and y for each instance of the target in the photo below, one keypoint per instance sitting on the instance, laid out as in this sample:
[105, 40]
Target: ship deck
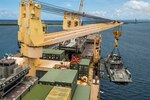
[95, 92]
[120, 76]
[45, 64]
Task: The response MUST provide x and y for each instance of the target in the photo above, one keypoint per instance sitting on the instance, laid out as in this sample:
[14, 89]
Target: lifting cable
[50, 8]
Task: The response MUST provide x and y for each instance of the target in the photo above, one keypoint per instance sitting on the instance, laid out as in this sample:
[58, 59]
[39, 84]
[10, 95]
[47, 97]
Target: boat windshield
[116, 66]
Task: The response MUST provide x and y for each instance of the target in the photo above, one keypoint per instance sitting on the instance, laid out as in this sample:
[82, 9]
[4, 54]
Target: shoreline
[17, 24]
[136, 22]
[60, 24]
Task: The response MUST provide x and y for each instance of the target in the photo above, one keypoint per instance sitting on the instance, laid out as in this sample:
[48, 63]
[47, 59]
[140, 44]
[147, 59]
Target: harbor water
[134, 46]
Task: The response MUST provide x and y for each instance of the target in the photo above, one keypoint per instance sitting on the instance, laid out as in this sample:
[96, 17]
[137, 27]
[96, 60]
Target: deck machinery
[32, 37]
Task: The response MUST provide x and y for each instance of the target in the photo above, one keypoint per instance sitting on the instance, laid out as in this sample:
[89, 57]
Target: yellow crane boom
[76, 32]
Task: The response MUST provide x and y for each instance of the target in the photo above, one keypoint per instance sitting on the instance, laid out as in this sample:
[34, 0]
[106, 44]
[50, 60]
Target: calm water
[134, 47]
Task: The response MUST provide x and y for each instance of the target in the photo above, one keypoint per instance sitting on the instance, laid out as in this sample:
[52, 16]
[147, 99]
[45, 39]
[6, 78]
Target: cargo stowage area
[64, 78]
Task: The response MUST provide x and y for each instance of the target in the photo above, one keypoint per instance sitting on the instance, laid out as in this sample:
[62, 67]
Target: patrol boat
[116, 69]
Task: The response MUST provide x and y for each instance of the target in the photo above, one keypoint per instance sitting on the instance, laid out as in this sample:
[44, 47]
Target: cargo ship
[63, 65]
[61, 78]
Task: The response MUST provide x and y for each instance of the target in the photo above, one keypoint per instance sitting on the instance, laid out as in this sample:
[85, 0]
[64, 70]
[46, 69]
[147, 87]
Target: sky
[112, 9]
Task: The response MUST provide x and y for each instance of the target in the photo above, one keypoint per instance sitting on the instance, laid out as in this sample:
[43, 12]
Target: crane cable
[50, 8]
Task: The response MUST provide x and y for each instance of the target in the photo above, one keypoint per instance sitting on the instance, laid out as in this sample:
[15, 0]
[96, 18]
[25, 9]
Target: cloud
[68, 4]
[132, 9]
[138, 5]
[129, 10]
[6, 14]
[99, 13]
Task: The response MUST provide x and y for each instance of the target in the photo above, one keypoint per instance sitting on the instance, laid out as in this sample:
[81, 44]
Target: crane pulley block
[117, 34]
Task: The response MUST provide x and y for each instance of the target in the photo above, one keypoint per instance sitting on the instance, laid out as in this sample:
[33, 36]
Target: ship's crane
[78, 21]
[81, 10]
[81, 7]
[117, 34]
[32, 36]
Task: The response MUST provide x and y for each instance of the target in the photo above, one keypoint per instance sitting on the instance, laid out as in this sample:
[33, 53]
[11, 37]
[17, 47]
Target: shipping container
[84, 68]
[90, 39]
[40, 73]
[74, 64]
[82, 92]
[49, 78]
[53, 54]
[63, 78]
[38, 92]
[59, 93]
[85, 62]
[88, 51]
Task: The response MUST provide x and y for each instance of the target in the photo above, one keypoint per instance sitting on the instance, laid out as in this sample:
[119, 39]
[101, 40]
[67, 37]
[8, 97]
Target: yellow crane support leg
[97, 46]
[66, 21]
[30, 34]
[75, 21]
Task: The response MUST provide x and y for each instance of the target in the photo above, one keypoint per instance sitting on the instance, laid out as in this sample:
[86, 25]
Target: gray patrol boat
[116, 69]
